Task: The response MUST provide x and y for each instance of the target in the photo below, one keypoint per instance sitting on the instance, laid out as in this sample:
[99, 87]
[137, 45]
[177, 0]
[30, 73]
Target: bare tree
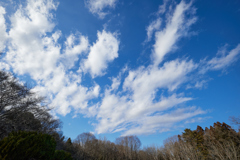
[175, 149]
[235, 121]
[22, 109]
[222, 142]
[151, 152]
[129, 146]
[84, 138]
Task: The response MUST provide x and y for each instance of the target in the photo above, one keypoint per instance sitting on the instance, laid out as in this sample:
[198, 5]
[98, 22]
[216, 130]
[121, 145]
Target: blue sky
[149, 68]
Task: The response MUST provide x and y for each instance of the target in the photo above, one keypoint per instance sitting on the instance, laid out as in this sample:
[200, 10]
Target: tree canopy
[26, 145]
[22, 109]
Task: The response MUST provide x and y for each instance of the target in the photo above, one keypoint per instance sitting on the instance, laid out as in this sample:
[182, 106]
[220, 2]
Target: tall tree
[22, 109]
[84, 138]
[129, 146]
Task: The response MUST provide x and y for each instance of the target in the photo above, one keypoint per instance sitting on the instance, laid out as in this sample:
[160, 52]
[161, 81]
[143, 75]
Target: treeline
[29, 132]
[219, 142]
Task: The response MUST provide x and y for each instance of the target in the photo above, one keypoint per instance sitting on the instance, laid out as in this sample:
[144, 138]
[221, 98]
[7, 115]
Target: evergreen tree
[27, 145]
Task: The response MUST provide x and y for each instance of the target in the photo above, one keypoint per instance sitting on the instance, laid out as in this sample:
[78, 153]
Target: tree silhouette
[22, 109]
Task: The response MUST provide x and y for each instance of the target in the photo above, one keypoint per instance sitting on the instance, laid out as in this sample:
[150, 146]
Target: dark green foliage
[69, 141]
[62, 155]
[196, 139]
[59, 138]
[68, 146]
[221, 131]
[27, 145]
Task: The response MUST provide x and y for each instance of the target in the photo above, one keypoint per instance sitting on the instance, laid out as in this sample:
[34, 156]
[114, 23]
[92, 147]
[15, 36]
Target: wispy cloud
[224, 58]
[222, 61]
[138, 109]
[164, 122]
[162, 8]
[3, 33]
[176, 27]
[153, 26]
[139, 98]
[98, 6]
[133, 103]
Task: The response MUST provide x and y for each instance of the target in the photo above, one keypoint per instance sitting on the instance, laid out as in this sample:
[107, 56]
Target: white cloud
[75, 46]
[197, 119]
[138, 108]
[169, 76]
[118, 112]
[164, 122]
[34, 49]
[162, 8]
[176, 27]
[98, 6]
[74, 96]
[133, 103]
[154, 26]
[200, 84]
[3, 33]
[223, 61]
[30, 50]
[102, 52]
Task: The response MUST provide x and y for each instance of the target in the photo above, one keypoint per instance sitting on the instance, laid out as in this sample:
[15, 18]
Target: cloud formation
[102, 52]
[144, 100]
[3, 34]
[140, 110]
[223, 61]
[98, 6]
[154, 26]
[34, 50]
[176, 27]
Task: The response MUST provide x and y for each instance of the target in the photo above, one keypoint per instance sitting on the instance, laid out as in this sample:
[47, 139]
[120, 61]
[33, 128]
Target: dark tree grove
[28, 131]
[26, 145]
[23, 110]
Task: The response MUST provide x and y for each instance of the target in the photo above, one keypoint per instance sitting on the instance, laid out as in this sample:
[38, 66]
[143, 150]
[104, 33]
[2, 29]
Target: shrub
[62, 155]
[23, 145]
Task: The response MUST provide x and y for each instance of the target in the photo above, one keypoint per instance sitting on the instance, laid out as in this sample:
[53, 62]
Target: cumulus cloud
[98, 6]
[104, 51]
[34, 49]
[75, 46]
[30, 51]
